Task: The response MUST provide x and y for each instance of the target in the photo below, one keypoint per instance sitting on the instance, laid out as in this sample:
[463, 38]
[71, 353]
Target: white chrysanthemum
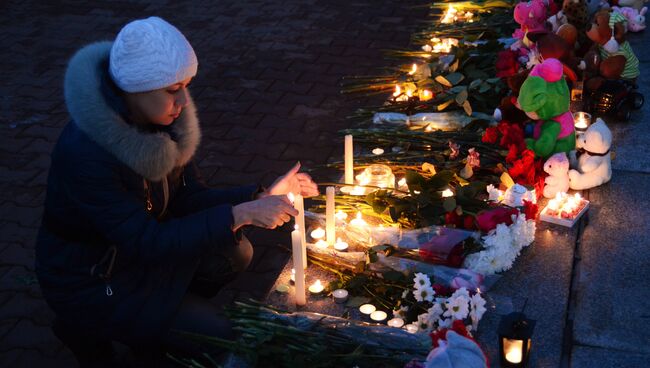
[523, 231]
[461, 292]
[421, 281]
[490, 261]
[435, 312]
[493, 193]
[477, 307]
[424, 322]
[499, 237]
[457, 308]
[424, 294]
[401, 312]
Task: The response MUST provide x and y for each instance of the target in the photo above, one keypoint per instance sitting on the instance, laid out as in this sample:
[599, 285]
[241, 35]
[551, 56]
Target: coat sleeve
[196, 196]
[96, 190]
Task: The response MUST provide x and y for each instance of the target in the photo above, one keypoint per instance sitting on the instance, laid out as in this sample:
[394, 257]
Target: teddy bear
[594, 161]
[636, 4]
[531, 17]
[544, 97]
[557, 181]
[577, 15]
[617, 59]
[635, 18]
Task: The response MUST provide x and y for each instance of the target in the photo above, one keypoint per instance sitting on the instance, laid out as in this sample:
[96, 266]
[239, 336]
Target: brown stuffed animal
[556, 47]
[577, 15]
[507, 109]
[617, 60]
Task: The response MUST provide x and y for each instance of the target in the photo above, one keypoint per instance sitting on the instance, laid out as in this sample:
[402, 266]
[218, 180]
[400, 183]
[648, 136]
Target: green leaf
[357, 301]
[461, 97]
[493, 80]
[441, 179]
[449, 204]
[475, 83]
[414, 180]
[442, 80]
[453, 67]
[484, 87]
[455, 78]
[392, 275]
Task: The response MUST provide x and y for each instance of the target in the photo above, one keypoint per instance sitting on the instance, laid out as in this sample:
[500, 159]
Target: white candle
[340, 295]
[514, 350]
[395, 322]
[330, 224]
[378, 316]
[411, 328]
[296, 245]
[378, 151]
[447, 193]
[367, 309]
[317, 233]
[358, 221]
[340, 215]
[349, 161]
[299, 205]
[322, 244]
[316, 287]
[340, 245]
[292, 279]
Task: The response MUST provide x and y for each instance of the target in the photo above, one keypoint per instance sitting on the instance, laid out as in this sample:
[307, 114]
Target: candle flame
[398, 91]
[426, 95]
[414, 69]
[292, 198]
[402, 182]
[447, 193]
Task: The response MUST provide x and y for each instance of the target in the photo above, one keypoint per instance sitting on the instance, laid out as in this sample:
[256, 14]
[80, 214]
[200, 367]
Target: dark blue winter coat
[105, 189]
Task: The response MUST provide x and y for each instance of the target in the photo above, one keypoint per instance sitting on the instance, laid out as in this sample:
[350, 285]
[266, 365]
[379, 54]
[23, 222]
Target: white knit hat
[149, 54]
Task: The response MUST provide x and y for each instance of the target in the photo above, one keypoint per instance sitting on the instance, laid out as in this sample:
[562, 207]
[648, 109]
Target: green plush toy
[545, 96]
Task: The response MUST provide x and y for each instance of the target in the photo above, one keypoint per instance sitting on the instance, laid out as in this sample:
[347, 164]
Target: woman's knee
[242, 255]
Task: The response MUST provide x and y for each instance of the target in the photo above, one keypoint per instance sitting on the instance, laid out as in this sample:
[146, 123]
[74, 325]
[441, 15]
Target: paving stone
[614, 266]
[588, 357]
[27, 335]
[541, 275]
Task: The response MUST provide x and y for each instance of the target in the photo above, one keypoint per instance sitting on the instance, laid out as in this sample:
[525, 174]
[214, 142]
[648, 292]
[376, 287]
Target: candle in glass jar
[330, 225]
[581, 121]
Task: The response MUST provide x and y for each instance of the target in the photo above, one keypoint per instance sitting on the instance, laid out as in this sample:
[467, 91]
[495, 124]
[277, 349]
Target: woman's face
[161, 106]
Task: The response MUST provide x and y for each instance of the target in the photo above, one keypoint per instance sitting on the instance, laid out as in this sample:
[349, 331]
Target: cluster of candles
[408, 93]
[440, 45]
[453, 15]
[565, 206]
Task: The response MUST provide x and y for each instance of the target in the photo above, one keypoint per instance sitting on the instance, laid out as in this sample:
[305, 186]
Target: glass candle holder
[581, 121]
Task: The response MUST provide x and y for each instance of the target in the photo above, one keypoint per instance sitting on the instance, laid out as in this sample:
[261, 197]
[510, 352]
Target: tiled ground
[267, 92]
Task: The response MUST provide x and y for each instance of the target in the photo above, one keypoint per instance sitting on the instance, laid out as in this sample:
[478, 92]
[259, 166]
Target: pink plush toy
[531, 17]
[635, 18]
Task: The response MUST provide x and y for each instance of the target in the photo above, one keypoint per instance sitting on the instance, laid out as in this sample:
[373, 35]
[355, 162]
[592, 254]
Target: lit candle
[322, 244]
[340, 295]
[349, 161]
[378, 151]
[398, 91]
[378, 316]
[316, 288]
[414, 69]
[330, 225]
[447, 193]
[513, 350]
[428, 128]
[317, 233]
[411, 328]
[340, 215]
[581, 121]
[340, 245]
[358, 221]
[292, 279]
[395, 322]
[401, 183]
[426, 95]
[296, 245]
[367, 309]
[299, 205]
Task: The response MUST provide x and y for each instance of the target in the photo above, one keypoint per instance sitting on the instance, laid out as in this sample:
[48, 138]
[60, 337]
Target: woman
[130, 235]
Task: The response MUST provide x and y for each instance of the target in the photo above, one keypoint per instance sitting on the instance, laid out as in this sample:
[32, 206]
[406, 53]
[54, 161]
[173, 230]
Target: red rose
[491, 135]
[530, 210]
[513, 154]
[453, 218]
[489, 219]
[511, 134]
[442, 290]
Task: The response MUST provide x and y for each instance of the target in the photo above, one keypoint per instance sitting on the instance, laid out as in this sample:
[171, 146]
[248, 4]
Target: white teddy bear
[594, 162]
[557, 181]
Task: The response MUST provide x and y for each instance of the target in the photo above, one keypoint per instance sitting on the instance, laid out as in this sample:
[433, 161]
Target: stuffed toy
[578, 16]
[635, 18]
[593, 6]
[456, 352]
[552, 46]
[544, 96]
[636, 4]
[507, 109]
[556, 21]
[557, 181]
[617, 58]
[531, 17]
[594, 161]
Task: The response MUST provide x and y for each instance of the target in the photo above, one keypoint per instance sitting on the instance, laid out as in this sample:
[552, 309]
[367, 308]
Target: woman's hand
[268, 212]
[293, 182]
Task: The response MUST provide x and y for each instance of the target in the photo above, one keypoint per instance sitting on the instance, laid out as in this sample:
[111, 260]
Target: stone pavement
[268, 95]
[267, 92]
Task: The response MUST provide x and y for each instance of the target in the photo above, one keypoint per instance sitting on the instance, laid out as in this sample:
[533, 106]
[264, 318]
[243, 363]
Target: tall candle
[296, 247]
[329, 216]
[349, 161]
[299, 205]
